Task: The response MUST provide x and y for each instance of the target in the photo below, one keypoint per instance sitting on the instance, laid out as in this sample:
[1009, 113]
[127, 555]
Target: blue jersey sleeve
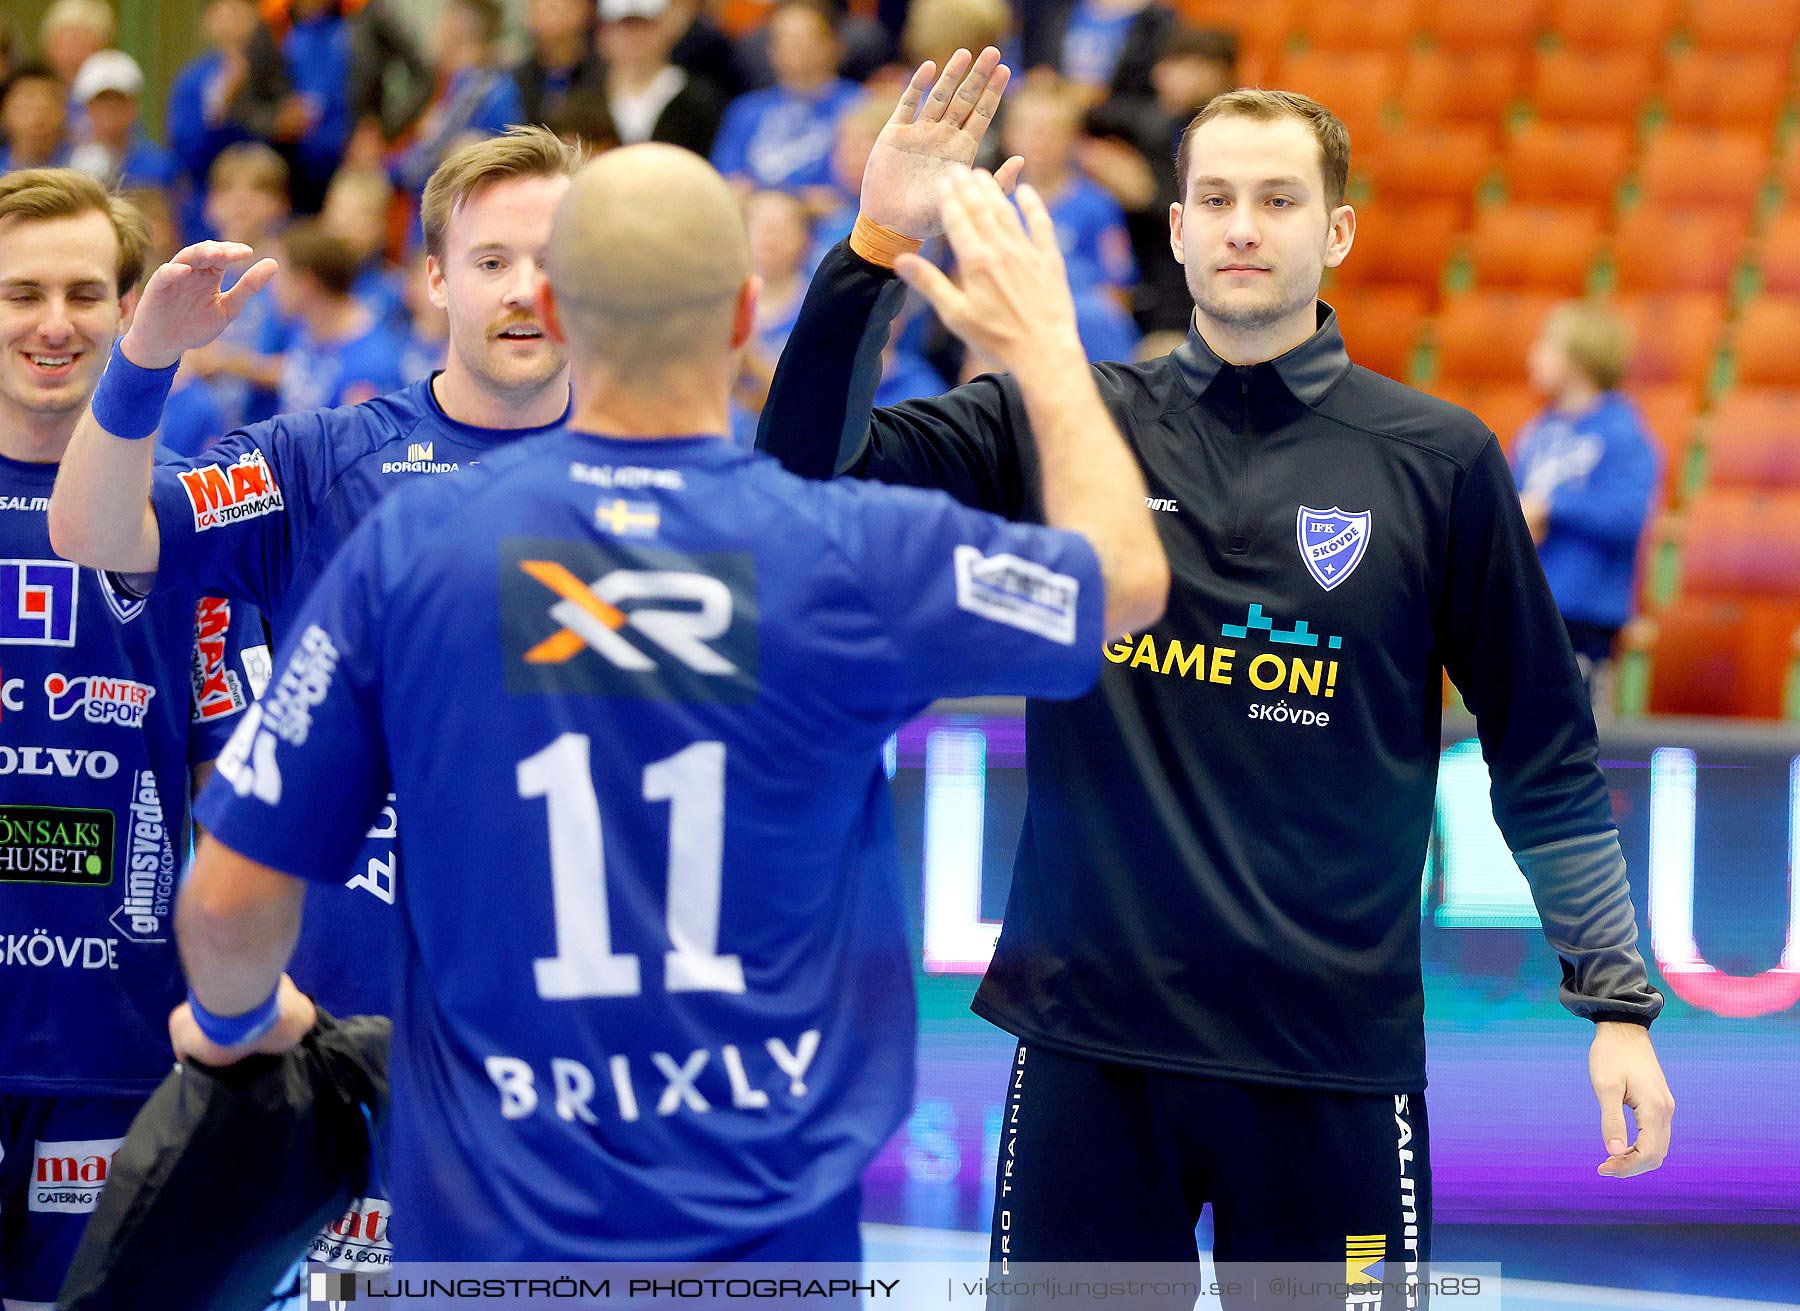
[230, 670]
[972, 604]
[227, 517]
[306, 774]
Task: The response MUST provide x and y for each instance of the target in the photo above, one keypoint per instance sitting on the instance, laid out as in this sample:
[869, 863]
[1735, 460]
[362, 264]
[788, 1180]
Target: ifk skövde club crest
[1332, 543]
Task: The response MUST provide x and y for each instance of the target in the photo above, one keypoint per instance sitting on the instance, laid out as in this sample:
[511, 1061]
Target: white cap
[613, 10]
[107, 70]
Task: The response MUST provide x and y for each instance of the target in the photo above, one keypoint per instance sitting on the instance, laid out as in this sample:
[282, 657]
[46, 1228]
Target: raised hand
[183, 307]
[935, 129]
[1011, 301]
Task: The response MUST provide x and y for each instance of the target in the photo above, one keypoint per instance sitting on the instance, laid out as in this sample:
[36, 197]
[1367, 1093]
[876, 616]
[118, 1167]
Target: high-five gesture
[183, 306]
[1011, 302]
[937, 127]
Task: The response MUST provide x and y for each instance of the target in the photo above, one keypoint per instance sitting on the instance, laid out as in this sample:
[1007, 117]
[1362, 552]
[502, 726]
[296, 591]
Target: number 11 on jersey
[693, 782]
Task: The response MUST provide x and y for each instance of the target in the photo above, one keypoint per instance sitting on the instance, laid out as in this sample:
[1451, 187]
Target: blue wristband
[236, 1030]
[128, 402]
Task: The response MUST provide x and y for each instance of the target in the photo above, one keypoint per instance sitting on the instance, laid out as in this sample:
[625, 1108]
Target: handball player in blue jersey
[657, 998]
[259, 514]
[110, 708]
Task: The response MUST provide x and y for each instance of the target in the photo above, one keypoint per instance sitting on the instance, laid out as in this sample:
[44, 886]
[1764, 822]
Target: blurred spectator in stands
[780, 231]
[313, 123]
[1587, 470]
[781, 137]
[340, 354]
[561, 58]
[117, 151]
[71, 32]
[648, 96]
[477, 97]
[391, 81]
[427, 325]
[856, 135]
[704, 50]
[1131, 152]
[358, 205]
[34, 117]
[937, 29]
[228, 95]
[1043, 123]
[863, 47]
[247, 201]
[584, 122]
[1101, 46]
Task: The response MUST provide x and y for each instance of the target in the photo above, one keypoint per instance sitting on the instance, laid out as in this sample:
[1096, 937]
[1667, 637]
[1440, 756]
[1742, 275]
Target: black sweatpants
[1109, 1163]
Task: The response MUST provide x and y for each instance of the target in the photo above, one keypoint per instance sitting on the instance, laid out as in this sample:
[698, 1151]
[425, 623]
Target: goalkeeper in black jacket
[1211, 949]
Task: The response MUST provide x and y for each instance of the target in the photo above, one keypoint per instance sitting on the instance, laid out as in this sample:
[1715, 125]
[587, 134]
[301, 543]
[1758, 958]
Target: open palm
[183, 306]
[936, 128]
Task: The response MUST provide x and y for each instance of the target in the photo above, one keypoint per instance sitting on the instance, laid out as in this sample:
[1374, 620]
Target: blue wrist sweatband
[236, 1030]
[128, 402]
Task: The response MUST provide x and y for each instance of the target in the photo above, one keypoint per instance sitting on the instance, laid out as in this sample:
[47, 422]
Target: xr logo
[592, 615]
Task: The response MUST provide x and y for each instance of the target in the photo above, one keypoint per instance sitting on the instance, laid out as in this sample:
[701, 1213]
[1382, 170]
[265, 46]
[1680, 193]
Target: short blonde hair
[936, 28]
[1596, 340]
[37, 195]
[520, 152]
[95, 15]
[1267, 106]
[253, 163]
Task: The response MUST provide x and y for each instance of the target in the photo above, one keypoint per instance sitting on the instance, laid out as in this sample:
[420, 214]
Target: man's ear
[548, 314]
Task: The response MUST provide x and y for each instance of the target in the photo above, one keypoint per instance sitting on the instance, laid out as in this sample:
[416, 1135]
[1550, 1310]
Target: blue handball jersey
[657, 993]
[105, 701]
[257, 517]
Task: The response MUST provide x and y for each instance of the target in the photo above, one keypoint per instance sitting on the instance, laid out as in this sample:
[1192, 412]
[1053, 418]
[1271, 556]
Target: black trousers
[1107, 1163]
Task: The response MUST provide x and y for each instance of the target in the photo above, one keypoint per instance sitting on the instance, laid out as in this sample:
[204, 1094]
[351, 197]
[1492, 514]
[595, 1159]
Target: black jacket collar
[1310, 370]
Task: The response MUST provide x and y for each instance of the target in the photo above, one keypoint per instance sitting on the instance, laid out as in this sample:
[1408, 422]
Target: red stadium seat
[1779, 263]
[1742, 544]
[1705, 167]
[1395, 246]
[1725, 89]
[1357, 86]
[1753, 441]
[1764, 347]
[1430, 164]
[1560, 164]
[1381, 326]
[1262, 28]
[1669, 413]
[1771, 25]
[1505, 409]
[1659, 249]
[1641, 25]
[1675, 339]
[1471, 87]
[1721, 657]
[1483, 24]
[1384, 25]
[1545, 247]
[1573, 86]
[1483, 337]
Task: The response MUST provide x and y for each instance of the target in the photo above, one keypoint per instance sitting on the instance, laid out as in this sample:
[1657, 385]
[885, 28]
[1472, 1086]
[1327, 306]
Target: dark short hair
[489, 17]
[308, 248]
[1268, 106]
[32, 70]
[1216, 45]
